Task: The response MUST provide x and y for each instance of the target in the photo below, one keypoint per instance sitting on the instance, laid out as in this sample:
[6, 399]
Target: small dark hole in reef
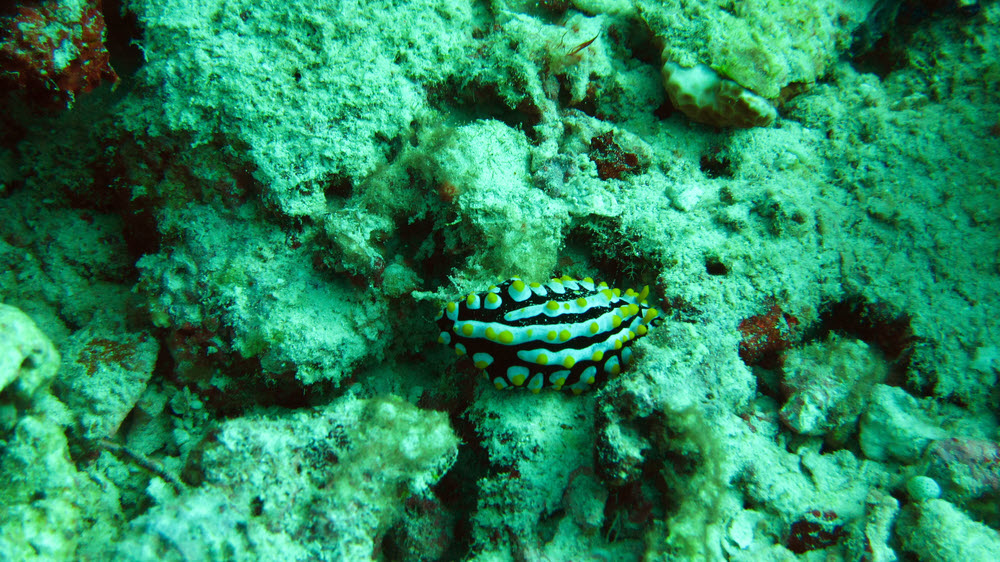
[338, 187]
[877, 323]
[664, 111]
[716, 164]
[434, 269]
[476, 100]
[28, 364]
[257, 506]
[642, 42]
[456, 490]
[804, 536]
[123, 36]
[714, 266]
[882, 58]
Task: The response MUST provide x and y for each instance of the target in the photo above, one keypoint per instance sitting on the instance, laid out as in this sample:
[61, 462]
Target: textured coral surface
[219, 279]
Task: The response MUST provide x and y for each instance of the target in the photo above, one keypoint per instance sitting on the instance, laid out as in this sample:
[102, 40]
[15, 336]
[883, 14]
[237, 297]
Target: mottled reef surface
[227, 227]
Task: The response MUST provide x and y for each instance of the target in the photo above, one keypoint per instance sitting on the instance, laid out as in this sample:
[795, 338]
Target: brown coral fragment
[612, 161]
[704, 96]
[766, 335]
[55, 48]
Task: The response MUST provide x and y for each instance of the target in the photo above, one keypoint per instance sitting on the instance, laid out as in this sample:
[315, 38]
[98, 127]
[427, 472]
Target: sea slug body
[564, 333]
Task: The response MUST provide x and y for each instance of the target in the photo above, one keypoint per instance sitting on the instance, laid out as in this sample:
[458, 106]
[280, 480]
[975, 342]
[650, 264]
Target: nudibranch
[564, 333]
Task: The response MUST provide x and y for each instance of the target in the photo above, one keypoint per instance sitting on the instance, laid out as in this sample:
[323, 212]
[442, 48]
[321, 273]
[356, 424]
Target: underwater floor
[559, 280]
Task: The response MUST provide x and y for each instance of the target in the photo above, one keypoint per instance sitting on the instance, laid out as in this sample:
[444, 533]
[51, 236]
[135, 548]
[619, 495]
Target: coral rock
[28, 360]
[894, 426]
[966, 468]
[106, 377]
[940, 531]
[768, 46]
[829, 382]
[708, 98]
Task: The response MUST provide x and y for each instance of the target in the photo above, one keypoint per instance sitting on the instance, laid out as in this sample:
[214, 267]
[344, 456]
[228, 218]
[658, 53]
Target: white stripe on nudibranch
[564, 333]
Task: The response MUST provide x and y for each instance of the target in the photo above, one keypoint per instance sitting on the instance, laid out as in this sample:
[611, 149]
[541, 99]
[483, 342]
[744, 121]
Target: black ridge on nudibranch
[564, 333]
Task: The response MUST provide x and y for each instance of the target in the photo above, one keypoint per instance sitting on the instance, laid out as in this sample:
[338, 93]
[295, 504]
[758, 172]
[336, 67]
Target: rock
[922, 488]
[105, 375]
[895, 427]
[327, 484]
[829, 383]
[28, 360]
[766, 46]
[44, 501]
[966, 468]
[939, 531]
[704, 96]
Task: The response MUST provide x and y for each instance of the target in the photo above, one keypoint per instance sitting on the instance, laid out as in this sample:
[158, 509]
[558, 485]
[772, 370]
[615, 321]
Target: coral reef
[322, 485]
[47, 504]
[219, 280]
